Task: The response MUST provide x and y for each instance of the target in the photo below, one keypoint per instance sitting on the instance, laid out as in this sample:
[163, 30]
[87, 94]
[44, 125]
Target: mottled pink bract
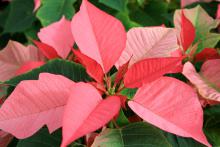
[207, 81]
[148, 42]
[14, 56]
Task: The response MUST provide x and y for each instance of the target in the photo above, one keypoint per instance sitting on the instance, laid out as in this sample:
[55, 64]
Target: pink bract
[92, 67]
[143, 61]
[207, 54]
[207, 81]
[14, 56]
[161, 104]
[58, 35]
[218, 12]
[151, 69]
[48, 51]
[35, 103]
[187, 33]
[87, 112]
[29, 66]
[37, 4]
[105, 36]
[148, 42]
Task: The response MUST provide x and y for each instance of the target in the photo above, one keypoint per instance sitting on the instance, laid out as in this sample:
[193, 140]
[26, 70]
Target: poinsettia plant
[104, 87]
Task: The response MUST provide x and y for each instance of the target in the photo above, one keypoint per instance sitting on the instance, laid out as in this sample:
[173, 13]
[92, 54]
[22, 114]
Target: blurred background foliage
[19, 21]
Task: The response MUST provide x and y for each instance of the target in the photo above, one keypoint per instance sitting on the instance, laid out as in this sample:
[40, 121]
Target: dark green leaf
[177, 141]
[3, 16]
[20, 16]
[42, 139]
[127, 22]
[120, 5]
[133, 135]
[129, 92]
[212, 116]
[212, 123]
[31, 33]
[213, 135]
[68, 69]
[52, 10]
[141, 2]
[151, 15]
[122, 119]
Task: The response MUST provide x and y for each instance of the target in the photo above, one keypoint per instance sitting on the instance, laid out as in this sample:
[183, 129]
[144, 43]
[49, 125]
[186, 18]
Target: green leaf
[133, 135]
[204, 24]
[52, 10]
[122, 120]
[127, 22]
[212, 123]
[141, 2]
[68, 69]
[208, 41]
[212, 116]
[177, 141]
[20, 16]
[151, 15]
[31, 33]
[120, 5]
[4, 16]
[213, 134]
[42, 139]
[129, 92]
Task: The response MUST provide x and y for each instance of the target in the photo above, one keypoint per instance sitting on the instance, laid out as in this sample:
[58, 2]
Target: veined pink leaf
[35, 103]
[58, 35]
[98, 35]
[151, 69]
[207, 54]
[170, 105]
[37, 4]
[188, 32]
[87, 112]
[207, 81]
[92, 67]
[14, 55]
[46, 50]
[148, 42]
[29, 66]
